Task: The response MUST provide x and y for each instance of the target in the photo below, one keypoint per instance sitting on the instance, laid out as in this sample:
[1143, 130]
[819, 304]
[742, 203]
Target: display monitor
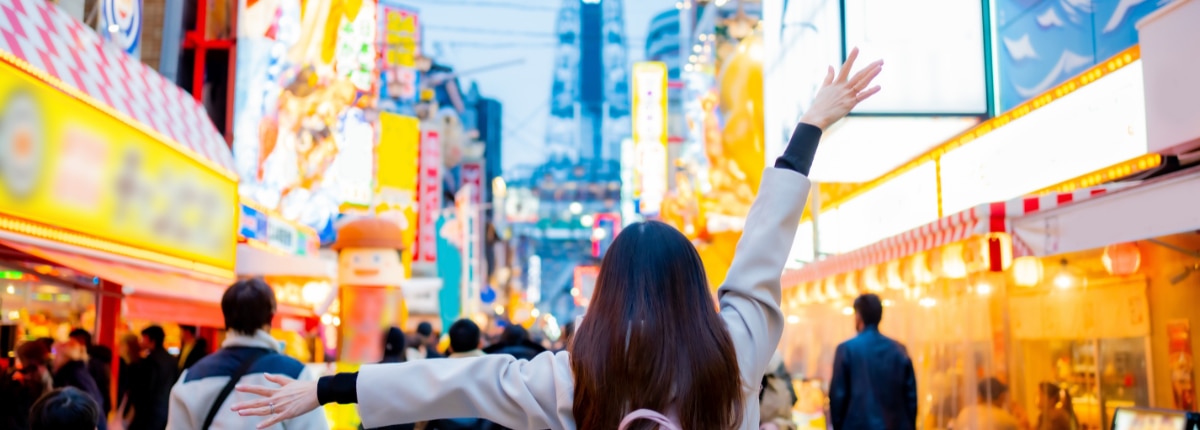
[1150, 419]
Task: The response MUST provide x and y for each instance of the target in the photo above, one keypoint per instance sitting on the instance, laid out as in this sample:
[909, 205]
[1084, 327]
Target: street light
[576, 208]
[586, 220]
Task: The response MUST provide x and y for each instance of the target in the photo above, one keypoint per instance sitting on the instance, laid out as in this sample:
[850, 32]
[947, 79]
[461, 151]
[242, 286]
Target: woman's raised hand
[841, 93]
[292, 399]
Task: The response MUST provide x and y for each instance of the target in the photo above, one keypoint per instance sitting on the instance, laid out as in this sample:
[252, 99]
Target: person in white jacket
[651, 339]
[248, 354]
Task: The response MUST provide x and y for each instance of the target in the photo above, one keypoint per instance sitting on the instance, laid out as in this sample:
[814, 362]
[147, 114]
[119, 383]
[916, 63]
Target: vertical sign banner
[121, 24]
[1180, 352]
[472, 174]
[429, 197]
[472, 235]
[399, 40]
[396, 177]
[650, 135]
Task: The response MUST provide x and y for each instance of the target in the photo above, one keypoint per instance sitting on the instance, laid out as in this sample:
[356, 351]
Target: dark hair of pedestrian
[65, 409]
[394, 345]
[248, 306]
[155, 334]
[869, 308]
[82, 335]
[33, 354]
[991, 389]
[425, 329]
[190, 329]
[652, 338]
[464, 336]
[514, 335]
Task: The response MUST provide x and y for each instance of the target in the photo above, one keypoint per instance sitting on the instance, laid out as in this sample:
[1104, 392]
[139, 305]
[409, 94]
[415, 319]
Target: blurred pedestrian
[395, 347]
[515, 341]
[425, 343]
[873, 384]
[66, 409]
[130, 350]
[465, 339]
[192, 347]
[153, 376]
[249, 355]
[71, 370]
[567, 333]
[23, 385]
[1057, 410]
[99, 365]
[991, 412]
[652, 346]
[777, 396]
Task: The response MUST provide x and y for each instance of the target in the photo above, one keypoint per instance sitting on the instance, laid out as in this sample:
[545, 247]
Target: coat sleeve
[535, 394]
[751, 293]
[179, 414]
[839, 391]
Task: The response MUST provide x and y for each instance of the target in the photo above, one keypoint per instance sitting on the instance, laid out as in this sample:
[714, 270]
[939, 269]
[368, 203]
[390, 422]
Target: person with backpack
[652, 346]
[247, 356]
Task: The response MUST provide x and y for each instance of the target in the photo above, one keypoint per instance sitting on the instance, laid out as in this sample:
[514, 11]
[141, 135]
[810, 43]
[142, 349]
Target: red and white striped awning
[979, 220]
[40, 35]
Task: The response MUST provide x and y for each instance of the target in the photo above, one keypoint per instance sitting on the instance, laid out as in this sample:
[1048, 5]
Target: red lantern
[1122, 259]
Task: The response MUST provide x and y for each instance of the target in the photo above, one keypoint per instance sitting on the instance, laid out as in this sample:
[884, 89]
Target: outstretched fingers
[868, 93]
[847, 66]
[828, 77]
[864, 77]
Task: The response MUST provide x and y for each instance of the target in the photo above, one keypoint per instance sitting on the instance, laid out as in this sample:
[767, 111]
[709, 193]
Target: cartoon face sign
[370, 266]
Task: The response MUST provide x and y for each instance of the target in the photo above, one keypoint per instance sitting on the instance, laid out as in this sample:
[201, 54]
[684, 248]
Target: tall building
[663, 40]
[589, 100]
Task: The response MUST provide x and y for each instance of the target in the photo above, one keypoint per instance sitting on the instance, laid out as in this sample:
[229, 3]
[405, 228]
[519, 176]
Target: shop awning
[979, 220]
[38, 33]
[253, 261]
[1157, 207]
[137, 280]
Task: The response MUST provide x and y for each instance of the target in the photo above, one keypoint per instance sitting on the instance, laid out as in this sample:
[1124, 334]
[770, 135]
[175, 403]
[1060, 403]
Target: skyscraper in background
[589, 100]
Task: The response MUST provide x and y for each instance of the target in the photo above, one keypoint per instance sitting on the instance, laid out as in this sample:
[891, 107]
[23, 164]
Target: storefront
[285, 254]
[117, 203]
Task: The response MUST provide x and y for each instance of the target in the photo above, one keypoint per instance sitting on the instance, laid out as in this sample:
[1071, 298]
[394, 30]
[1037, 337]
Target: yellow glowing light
[953, 265]
[1027, 271]
[792, 319]
[847, 311]
[1096, 72]
[927, 302]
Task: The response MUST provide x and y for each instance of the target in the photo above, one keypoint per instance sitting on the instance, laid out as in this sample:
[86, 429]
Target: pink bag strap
[646, 414]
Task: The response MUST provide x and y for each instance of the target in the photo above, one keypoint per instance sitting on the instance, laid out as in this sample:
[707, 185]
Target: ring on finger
[272, 407]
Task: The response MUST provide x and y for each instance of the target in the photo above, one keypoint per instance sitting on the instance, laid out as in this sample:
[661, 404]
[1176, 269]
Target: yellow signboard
[650, 134]
[399, 139]
[70, 165]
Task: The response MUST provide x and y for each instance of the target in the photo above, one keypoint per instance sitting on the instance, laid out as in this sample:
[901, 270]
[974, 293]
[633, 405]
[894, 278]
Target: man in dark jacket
[515, 342]
[151, 390]
[192, 347]
[873, 384]
[99, 366]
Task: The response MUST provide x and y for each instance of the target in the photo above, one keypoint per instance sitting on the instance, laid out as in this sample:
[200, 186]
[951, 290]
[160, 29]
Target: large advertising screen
[1042, 44]
[303, 139]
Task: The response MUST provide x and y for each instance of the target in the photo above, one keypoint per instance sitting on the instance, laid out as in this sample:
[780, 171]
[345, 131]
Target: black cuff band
[801, 149]
[340, 388]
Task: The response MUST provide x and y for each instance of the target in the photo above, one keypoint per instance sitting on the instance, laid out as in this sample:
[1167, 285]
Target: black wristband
[339, 388]
[801, 149]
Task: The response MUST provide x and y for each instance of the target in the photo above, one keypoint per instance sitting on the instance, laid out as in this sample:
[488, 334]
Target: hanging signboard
[472, 174]
[650, 135]
[399, 40]
[121, 24]
[429, 196]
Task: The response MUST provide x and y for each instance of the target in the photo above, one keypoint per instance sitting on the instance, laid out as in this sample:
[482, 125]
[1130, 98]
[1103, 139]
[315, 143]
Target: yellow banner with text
[70, 165]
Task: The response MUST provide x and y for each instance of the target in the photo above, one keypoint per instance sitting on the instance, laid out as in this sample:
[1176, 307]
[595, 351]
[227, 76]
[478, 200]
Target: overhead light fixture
[1066, 277]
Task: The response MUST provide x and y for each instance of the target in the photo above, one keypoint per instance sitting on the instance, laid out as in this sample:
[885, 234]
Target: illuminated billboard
[650, 134]
[303, 139]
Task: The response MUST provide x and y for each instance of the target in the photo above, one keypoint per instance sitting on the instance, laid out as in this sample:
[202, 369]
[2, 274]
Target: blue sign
[253, 224]
[121, 23]
[1043, 43]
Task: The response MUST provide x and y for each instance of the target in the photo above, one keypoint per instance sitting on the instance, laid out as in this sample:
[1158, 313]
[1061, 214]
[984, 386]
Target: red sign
[429, 197]
[472, 174]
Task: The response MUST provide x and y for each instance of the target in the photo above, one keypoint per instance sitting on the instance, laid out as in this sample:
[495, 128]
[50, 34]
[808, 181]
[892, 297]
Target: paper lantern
[814, 292]
[850, 284]
[919, 266]
[952, 264]
[1122, 259]
[870, 279]
[1027, 271]
[831, 288]
[892, 272]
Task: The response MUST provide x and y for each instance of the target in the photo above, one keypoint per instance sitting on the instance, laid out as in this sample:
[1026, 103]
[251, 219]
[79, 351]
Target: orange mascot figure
[370, 272]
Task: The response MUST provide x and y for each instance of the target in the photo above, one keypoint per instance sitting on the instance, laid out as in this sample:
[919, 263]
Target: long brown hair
[652, 339]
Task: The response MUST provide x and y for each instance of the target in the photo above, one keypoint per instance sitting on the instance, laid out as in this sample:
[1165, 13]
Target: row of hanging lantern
[974, 258]
[911, 275]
